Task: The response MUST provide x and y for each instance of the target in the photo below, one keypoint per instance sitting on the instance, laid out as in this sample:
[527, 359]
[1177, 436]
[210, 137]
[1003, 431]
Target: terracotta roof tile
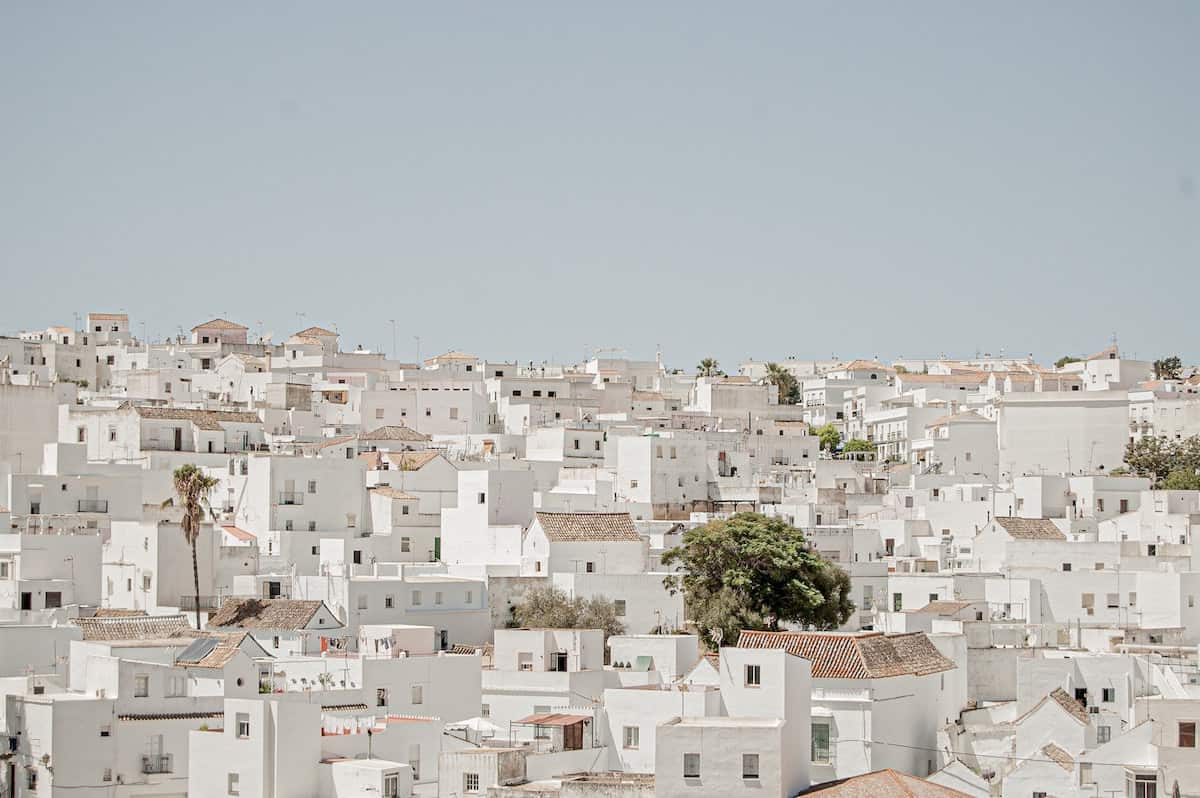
[314, 332]
[883, 784]
[586, 527]
[256, 613]
[1030, 528]
[1064, 700]
[394, 432]
[219, 324]
[204, 419]
[1060, 757]
[855, 656]
[145, 627]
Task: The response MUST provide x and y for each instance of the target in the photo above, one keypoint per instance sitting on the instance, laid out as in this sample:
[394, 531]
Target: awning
[240, 533]
[552, 719]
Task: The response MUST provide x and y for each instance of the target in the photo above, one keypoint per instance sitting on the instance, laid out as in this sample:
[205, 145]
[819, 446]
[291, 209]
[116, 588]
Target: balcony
[93, 505]
[291, 497]
[156, 763]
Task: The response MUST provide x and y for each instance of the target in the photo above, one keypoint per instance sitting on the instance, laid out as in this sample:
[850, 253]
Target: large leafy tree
[754, 572]
[550, 608]
[709, 367]
[858, 445]
[1160, 459]
[193, 488]
[785, 382]
[1168, 368]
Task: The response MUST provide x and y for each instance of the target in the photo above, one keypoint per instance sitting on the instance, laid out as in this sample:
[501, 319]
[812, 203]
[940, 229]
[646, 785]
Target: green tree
[1065, 359]
[858, 445]
[785, 382]
[1182, 480]
[754, 572]
[901, 370]
[193, 487]
[830, 437]
[1168, 368]
[709, 367]
[550, 608]
[1158, 458]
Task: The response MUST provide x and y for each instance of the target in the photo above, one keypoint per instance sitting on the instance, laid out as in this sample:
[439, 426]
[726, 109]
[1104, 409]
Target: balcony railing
[291, 497]
[156, 763]
[93, 505]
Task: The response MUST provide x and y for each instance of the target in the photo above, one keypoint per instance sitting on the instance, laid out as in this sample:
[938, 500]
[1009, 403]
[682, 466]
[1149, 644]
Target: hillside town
[300, 568]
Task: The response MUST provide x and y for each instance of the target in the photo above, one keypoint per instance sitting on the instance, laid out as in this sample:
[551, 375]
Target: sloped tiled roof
[256, 613]
[143, 627]
[393, 432]
[393, 493]
[834, 655]
[883, 784]
[943, 607]
[1064, 700]
[856, 656]
[401, 461]
[1030, 528]
[1059, 757]
[227, 647]
[119, 612]
[109, 316]
[919, 653]
[452, 355]
[588, 527]
[204, 419]
[219, 324]
[239, 533]
[313, 332]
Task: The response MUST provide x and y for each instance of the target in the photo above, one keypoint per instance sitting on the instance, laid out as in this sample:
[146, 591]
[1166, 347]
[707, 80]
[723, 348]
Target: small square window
[691, 766]
[749, 766]
[631, 736]
[243, 725]
[233, 787]
[753, 675]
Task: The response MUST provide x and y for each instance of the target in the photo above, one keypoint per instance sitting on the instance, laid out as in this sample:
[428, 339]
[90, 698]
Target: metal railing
[93, 505]
[291, 497]
[156, 763]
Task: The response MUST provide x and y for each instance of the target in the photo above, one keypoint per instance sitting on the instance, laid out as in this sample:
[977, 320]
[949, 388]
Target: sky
[533, 181]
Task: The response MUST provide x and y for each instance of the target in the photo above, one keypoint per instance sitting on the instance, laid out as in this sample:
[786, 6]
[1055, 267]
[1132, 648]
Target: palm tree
[709, 367]
[193, 487]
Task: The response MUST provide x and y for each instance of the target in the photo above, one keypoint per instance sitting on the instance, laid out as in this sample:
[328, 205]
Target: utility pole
[395, 349]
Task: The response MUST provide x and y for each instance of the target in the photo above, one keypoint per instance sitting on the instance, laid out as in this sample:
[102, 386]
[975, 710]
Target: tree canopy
[858, 445]
[1159, 459]
[754, 572]
[550, 608]
[1168, 368]
[829, 435]
[786, 382]
[1065, 359]
[709, 367]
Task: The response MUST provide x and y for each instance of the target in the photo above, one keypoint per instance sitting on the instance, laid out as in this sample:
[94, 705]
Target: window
[590, 567]
[470, 597]
[619, 608]
[470, 782]
[388, 602]
[391, 786]
[630, 737]
[405, 544]
[232, 784]
[691, 766]
[107, 774]
[1066, 566]
[4, 569]
[453, 413]
[243, 725]
[53, 599]
[106, 731]
[1187, 734]
[1142, 785]
[362, 602]
[1108, 695]
[437, 597]
[141, 686]
[633, 483]
[749, 766]
[820, 743]
[1112, 601]
[312, 486]
[753, 675]
[275, 641]
[1103, 734]
[112, 433]
[31, 779]
[381, 697]
[316, 551]
[897, 602]
[1124, 505]
[312, 526]
[485, 711]
[481, 499]
[416, 598]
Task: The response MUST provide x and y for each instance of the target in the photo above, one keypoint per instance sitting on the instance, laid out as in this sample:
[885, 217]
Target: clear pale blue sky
[528, 179]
